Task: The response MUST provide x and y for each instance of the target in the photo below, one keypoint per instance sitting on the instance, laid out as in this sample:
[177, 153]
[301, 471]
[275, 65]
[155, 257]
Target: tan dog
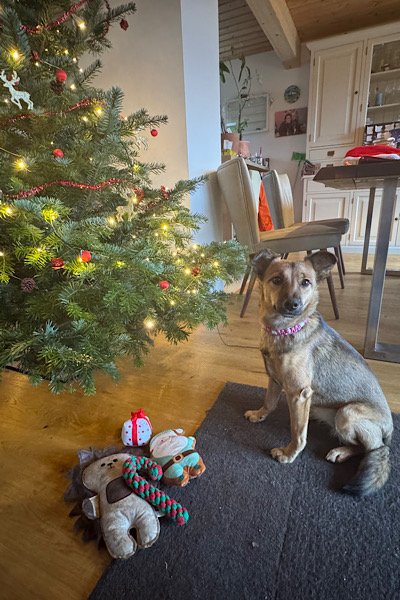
[318, 370]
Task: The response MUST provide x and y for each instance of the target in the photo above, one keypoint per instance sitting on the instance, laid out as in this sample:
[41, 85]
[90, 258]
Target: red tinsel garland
[82, 186]
[49, 113]
[57, 22]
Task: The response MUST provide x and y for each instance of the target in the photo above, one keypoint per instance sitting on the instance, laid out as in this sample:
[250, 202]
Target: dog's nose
[292, 304]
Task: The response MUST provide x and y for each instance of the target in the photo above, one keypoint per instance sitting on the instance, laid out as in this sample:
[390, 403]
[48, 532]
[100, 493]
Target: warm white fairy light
[165, 227]
[72, 86]
[134, 236]
[188, 292]
[74, 59]
[6, 100]
[202, 254]
[84, 119]
[80, 70]
[99, 111]
[194, 291]
[37, 64]
[154, 214]
[51, 143]
[8, 210]
[21, 164]
[187, 271]
[66, 51]
[174, 254]
[39, 249]
[149, 323]
[111, 220]
[172, 302]
[1, 253]
[82, 25]
[195, 246]
[216, 263]
[15, 55]
[156, 234]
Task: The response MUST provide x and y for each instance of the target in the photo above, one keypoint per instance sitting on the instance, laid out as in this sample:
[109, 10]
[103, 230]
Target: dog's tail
[372, 473]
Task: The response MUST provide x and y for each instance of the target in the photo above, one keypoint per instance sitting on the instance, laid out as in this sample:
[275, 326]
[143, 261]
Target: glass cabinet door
[383, 113]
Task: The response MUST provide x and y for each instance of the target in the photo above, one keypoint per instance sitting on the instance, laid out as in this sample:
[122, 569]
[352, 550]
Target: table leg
[364, 269]
[373, 349]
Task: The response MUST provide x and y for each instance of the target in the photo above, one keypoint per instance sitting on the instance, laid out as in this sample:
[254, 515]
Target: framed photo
[290, 122]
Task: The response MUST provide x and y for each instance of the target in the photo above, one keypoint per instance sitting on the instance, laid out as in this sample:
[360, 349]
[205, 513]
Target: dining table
[372, 175]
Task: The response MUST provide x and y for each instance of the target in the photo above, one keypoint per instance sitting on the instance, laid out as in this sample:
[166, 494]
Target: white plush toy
[137, 430]
[119, 508]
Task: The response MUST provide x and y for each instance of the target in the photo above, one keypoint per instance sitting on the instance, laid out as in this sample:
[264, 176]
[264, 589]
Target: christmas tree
[94, 262]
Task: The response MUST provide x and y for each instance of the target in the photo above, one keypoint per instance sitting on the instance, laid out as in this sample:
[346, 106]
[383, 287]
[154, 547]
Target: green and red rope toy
[161, 501]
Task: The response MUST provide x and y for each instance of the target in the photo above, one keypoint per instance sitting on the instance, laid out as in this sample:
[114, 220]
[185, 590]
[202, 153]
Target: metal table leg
[364, 269]
[373, 349]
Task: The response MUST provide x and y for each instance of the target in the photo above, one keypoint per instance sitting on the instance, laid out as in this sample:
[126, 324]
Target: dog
[319, 371]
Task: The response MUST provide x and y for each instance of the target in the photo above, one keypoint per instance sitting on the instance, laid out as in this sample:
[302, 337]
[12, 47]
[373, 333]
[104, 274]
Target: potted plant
[242, 77]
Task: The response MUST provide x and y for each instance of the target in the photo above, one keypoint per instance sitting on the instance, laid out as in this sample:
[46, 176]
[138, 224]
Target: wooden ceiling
[313, 19]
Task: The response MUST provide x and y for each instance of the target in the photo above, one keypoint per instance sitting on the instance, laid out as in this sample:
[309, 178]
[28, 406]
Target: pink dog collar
[287, 331]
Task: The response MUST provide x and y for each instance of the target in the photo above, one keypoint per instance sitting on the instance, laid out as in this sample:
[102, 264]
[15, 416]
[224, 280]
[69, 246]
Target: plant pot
[244, 149]
[232, 137]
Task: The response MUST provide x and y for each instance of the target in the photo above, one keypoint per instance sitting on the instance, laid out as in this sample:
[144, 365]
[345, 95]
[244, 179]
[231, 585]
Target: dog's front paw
[255, 416]
[283, 455]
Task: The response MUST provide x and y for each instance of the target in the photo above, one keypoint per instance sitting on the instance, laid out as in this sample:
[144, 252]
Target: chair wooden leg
[252, 281]
[333, 296]
[339, 266]
[341, 259]
[245, 278]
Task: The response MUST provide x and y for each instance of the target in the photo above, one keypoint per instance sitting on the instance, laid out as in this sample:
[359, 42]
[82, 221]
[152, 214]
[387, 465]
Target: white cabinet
[336, 74]
[347, 73]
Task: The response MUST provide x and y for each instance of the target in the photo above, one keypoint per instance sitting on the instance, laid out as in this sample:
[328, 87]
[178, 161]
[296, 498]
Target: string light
[172, 302]
[165, 227]
[80, 70]
[21, 164]
[174, 254]
[6, 100]
[39, 249]
[15, 55]
[51, 143]
[74, 59]
[99, 111]
[82, 26]
[156, 234]
[216, 263]
[149, 324]
[8, 210]
[66, 52]
[1, 253]
[194, 291]
[111, 220]
[72, 86]
[37, 64]
[195, 246]
[202, 255]
[187, 271]
[84, 119]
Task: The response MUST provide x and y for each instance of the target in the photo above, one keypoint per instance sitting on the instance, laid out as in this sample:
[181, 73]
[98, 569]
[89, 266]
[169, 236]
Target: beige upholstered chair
[235, 184]
[280, 201]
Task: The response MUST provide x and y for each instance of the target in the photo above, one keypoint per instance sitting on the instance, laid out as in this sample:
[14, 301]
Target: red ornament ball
[154, 132]
[85, 256]
[61, 75]
[196, 271]
[124, 24]
[57, 263]
[58, 153]
[164, 285]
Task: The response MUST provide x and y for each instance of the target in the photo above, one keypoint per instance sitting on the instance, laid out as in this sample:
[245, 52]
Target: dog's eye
[305, 282]
[115, 460]
[276, 280]
[103, 465]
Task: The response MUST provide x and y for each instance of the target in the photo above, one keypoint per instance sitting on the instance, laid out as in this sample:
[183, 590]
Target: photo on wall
[290, 122]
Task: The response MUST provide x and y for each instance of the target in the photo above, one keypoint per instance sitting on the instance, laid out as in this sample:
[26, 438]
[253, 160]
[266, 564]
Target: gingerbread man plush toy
[177, 457]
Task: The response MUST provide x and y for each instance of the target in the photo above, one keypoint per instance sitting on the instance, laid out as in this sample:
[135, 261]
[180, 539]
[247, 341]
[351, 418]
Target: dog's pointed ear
[322, 262]
[262, 260]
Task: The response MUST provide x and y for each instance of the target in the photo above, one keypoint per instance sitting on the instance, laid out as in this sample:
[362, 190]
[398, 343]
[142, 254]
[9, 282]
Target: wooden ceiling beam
[276, 22]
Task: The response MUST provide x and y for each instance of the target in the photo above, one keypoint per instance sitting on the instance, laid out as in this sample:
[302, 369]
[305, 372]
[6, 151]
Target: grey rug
[265, 531]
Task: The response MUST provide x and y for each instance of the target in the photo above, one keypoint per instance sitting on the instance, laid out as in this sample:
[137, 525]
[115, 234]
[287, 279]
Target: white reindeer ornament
[16, 96]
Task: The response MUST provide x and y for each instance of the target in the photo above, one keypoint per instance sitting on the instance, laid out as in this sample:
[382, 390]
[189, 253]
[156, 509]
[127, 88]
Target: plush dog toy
[119, 508]
[177, 457]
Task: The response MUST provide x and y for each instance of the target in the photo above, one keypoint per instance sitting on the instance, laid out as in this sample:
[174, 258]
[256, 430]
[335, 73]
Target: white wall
[270, 76]
[167, 62]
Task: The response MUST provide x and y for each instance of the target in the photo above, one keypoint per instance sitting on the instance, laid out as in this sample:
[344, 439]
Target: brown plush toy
[118, 508]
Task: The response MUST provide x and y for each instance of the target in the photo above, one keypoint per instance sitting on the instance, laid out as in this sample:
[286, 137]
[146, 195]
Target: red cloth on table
[372, 150]
[264, 216]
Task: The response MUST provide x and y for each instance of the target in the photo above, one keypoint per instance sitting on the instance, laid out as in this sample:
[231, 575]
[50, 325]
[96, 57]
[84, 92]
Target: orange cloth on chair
[264, 216]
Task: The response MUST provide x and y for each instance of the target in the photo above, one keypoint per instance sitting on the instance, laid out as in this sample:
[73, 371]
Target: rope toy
[162, 502]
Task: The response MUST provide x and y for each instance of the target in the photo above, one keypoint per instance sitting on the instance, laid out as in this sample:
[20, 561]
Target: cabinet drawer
[314, 186]
[328, 155]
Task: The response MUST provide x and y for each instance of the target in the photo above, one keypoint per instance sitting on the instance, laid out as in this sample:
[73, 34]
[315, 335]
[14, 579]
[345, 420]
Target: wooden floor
[41, 556]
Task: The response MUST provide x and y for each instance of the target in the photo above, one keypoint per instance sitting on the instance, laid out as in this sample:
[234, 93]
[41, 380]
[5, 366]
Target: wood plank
[41, 557]
[276, 22]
